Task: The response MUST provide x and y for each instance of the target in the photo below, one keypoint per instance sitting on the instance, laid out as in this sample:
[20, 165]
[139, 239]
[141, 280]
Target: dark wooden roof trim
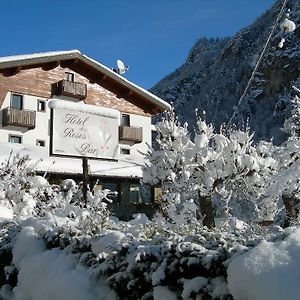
[11, 71]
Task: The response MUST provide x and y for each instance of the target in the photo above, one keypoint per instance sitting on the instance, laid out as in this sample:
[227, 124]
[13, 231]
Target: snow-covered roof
[7, 61]
[123, 168]
[47, 57]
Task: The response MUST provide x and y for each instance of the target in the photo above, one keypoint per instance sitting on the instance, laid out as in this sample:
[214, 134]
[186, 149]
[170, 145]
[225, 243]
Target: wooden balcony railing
[132, 134]
[71, 89]
[20, 118]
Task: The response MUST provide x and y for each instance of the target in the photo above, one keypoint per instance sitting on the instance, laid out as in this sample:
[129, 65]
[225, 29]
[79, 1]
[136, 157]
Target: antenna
[121, 67]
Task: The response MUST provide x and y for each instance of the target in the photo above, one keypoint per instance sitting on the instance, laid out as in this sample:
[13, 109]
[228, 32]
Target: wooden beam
[123, 93]
[102, 78]
[97, 78]
[68, 63]
[11, 71]
[157, 110]
[93, 80]
[50, 66]
[92, 75]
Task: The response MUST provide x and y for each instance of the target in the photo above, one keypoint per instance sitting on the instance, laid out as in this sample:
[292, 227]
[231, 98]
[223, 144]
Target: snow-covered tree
[284, 186]
[170, 165]
[292, 124]
[230, 165]
[224, 164]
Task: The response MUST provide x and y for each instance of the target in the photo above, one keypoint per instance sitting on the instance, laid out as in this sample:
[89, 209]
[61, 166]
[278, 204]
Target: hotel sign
[84, 130]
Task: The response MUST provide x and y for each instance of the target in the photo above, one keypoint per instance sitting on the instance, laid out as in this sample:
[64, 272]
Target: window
[125, 120]
[41, 105]
[16, 101]
[154, 136]
[40, 143]
[125, 151]
[140, 193]
[16, 139]
[69, 76]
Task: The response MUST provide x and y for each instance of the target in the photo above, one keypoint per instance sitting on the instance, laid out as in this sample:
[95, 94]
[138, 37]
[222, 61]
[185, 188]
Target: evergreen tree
[292, 124]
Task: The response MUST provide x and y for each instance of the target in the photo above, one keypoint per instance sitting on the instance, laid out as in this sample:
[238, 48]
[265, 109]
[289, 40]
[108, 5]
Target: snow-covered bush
[22, 193]
[58, 213]
[68, 209]
[142, 259]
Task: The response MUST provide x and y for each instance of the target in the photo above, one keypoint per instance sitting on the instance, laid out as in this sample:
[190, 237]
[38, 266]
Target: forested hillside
[216, 72]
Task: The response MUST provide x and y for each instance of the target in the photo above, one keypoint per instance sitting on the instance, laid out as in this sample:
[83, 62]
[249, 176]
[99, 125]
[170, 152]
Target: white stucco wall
[29, 137]
[136, 150]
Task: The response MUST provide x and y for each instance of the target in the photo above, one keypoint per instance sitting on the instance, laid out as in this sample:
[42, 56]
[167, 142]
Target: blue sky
[152, 37]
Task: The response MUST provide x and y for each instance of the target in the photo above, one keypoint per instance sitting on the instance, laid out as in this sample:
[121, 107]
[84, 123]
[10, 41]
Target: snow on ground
[5, 213]
[51, 274]
[163, 293]
[269, 271]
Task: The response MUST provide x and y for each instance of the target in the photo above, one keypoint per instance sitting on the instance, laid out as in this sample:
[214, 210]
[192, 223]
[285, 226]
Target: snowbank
[5, 213]
[51, 274]
[269, 271]
[163, 293]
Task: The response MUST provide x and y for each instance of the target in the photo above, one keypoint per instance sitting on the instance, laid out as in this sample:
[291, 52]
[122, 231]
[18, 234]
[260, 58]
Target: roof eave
[146, 94]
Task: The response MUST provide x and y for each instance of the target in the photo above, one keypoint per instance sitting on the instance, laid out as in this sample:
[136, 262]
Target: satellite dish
[121, 67]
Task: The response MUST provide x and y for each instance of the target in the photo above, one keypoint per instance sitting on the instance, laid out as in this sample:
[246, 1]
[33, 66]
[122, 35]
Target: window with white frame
[16, 101]
[16, 139]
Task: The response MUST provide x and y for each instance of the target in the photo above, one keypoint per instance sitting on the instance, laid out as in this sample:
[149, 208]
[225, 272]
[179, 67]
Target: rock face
[216, 73]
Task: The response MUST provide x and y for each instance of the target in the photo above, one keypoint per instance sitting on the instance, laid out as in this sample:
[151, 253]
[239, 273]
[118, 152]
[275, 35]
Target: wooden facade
[38, 82]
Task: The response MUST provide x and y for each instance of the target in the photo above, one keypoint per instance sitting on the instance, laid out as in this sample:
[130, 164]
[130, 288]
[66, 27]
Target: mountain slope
[217, 70]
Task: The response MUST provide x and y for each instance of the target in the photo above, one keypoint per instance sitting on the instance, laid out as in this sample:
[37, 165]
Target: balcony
[20, 118]
[131, 134]
[70, 88]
